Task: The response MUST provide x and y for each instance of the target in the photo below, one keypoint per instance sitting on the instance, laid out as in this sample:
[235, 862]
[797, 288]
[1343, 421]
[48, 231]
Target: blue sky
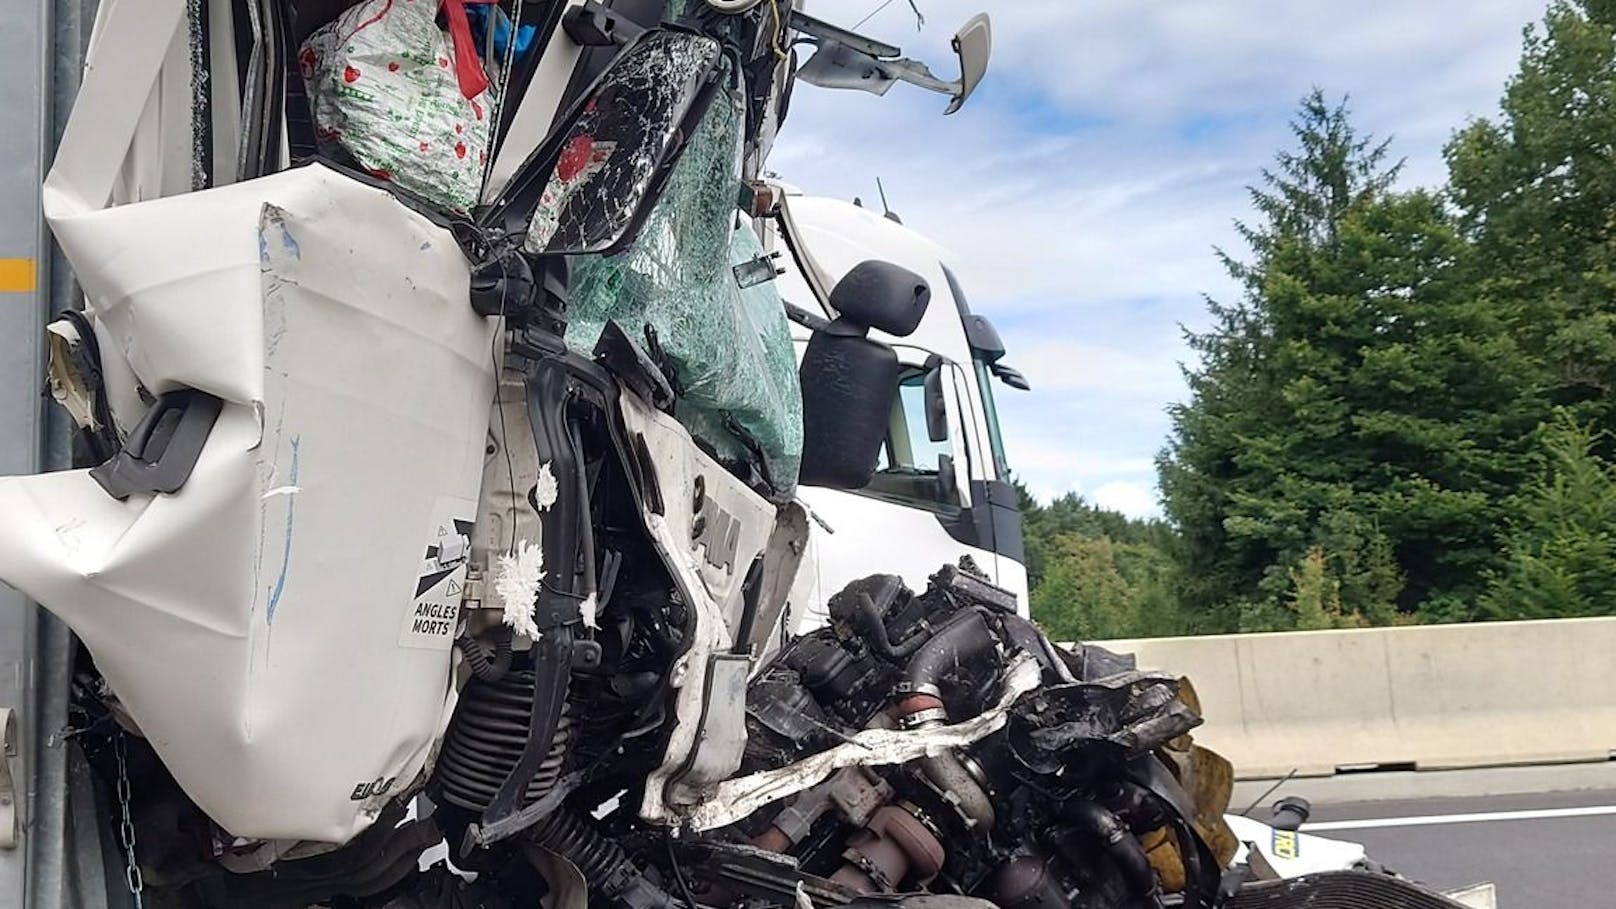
[1084, 186]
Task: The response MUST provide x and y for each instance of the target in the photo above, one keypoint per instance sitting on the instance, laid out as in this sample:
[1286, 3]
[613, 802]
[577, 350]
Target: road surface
[1543, 850]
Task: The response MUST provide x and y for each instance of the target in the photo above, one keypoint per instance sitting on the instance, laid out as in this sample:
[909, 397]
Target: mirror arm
[843, 48]
[825, 31]
[916, 73]
[1011, 377]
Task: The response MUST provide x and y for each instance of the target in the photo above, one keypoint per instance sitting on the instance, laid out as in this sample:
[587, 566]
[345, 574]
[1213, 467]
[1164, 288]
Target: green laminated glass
[675, 290]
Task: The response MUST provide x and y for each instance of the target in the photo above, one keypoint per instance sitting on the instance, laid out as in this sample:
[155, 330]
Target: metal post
[24, 101]
[40, 58]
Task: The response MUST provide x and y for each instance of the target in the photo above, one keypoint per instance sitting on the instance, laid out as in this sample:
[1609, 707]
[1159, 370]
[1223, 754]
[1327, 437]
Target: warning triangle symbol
[453, 589]
[443, 531]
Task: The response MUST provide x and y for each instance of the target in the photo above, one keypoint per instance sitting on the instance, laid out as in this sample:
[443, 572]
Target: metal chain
[126, 829]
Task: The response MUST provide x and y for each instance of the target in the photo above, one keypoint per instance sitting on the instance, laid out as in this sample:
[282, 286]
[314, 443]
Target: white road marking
[1480, 817]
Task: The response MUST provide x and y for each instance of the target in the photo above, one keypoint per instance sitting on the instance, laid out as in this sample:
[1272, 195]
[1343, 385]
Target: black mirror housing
[589, 187]
[848, 382]
[936, 403]
[883, 296]
[983, 338]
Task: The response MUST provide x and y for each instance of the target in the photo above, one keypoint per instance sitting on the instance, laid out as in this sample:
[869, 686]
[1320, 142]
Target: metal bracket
[9, 815]
[846, 59]
[593, 25]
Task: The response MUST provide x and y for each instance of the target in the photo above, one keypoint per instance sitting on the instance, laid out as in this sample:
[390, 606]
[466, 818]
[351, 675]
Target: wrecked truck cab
[286, 574]
[271, 569]
[446, 528]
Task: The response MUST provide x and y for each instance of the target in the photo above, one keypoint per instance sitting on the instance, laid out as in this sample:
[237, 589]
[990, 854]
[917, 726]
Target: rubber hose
[961, 641]
[1135, 806]
[481, 666]
[604, 863]
[875, 631]
[1127, 854]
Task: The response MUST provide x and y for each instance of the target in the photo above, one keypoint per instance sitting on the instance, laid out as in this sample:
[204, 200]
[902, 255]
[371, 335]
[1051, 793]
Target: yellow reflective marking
[17, 276]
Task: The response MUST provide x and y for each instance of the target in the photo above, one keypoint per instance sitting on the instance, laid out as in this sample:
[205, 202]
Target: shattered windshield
[611, 154]
[675, 291]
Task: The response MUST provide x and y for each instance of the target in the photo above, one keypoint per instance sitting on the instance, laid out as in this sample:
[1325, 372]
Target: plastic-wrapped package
[409, 105]
[729, 347]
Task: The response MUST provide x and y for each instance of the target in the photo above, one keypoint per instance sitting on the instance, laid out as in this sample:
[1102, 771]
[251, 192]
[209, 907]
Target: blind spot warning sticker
[441, 579]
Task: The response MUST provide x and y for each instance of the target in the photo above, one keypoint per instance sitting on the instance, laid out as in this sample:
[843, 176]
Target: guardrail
[1420, 697]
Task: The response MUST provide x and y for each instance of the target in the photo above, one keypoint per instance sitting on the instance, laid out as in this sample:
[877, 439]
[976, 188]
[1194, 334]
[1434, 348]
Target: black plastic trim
[992, 523]
[164, 446]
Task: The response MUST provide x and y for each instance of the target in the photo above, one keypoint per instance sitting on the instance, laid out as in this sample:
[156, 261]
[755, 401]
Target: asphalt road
[1543, 851]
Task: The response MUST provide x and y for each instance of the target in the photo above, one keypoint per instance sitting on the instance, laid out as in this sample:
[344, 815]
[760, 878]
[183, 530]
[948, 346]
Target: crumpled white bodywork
[1290, 854]
[260, 625]
[266, 626]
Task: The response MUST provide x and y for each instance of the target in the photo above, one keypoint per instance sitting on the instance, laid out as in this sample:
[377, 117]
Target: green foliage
[1356, 402]
[1560, 559]
[1409, 412]
[1098, 588]
[1097, 573]
[1536, 193]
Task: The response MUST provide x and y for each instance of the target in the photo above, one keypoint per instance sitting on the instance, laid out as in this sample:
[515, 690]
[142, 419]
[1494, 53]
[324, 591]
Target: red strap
[468, 66]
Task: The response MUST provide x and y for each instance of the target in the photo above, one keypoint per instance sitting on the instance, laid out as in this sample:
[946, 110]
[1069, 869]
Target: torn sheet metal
[257, 624]
[1136, 711]
[708, 545]
[737, 798]
[68, 376]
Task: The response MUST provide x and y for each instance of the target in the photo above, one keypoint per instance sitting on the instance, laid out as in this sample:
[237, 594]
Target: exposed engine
[934, 749]
[1081, 797]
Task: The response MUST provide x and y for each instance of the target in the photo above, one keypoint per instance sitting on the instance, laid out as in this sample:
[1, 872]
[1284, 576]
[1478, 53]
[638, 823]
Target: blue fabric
[479, 14]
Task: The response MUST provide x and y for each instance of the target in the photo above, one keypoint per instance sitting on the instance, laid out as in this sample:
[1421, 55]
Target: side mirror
[849, 380]
[845, 59]
[589, 187]
[883, 296]
[936, 404]
[986, 346]
[974, 45]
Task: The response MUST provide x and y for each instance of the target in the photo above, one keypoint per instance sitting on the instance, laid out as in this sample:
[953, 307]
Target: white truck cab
[942, 486]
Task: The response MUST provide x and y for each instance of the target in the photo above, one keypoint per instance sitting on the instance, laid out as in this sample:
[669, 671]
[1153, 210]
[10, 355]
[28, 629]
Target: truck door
[900, 522]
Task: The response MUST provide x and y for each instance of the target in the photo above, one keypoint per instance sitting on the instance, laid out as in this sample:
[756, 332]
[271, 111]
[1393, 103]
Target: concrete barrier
[1423, 697]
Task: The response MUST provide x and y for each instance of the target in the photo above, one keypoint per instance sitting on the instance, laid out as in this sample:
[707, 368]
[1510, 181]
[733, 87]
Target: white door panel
[870, 536]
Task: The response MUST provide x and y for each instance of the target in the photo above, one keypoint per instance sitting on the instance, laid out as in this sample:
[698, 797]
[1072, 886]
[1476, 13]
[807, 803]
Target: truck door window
[990, 415]
[984, 384]
[910, 469]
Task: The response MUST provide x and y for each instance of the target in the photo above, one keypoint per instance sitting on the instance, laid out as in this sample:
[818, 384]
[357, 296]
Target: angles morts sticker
[441, 579]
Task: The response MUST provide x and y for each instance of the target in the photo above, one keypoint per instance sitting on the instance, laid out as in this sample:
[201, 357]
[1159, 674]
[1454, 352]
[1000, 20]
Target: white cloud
[1066, 364]
[1084, 186]
[1133, 499]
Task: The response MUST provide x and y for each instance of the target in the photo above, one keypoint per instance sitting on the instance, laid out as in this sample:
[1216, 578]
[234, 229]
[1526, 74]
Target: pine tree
[1561, 554]
[1356, 401]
